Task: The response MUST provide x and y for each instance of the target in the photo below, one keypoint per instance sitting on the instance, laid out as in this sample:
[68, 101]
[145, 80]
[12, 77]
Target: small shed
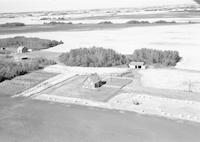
[22, 49]
[20, 58]
[92, 81]
[137, 65]
[2, 48]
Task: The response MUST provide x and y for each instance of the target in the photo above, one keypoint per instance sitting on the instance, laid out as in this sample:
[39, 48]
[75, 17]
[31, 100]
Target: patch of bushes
[31, 43]
[137, 22]
[56, 23]
[12, 25]
[164, 22]
[105, 22]
[93, 57]
[156, 57]
[10, 69]
[45, 18]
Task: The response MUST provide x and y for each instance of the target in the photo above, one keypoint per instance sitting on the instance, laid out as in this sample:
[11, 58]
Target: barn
[22, 49]
[137, 65]
[93, 81]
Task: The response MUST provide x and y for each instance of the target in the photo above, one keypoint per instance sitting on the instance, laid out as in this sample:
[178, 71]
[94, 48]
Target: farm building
[93, 81]
[2, 48]
[22, 49]
[20, 58]
[137, 65]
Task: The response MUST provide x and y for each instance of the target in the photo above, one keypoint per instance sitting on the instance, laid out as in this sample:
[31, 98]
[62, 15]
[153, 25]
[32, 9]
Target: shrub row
[32, 43]
[93, 57]
[99, 57]
[12, 25]
[9, 70]
[152, 57]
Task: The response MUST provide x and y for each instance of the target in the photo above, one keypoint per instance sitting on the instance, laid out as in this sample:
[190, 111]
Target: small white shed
[22, 49]
[137, 65]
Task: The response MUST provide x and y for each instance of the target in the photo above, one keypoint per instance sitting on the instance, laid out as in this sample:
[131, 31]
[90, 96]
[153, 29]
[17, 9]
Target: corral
[74, 88]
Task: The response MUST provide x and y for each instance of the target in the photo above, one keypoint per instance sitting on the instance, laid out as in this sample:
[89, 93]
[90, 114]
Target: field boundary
[46, 84]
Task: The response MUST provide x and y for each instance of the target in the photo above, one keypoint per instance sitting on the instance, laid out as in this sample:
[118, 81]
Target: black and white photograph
[99, 70]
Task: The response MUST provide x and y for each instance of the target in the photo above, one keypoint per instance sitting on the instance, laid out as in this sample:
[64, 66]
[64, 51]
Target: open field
[38, 54]
[171, 79]
[29, 120]
[86, 70]
[170, 108]
[73, 27]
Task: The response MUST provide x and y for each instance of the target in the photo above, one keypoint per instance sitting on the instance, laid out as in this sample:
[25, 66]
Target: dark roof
[22, 47]
[137, 63]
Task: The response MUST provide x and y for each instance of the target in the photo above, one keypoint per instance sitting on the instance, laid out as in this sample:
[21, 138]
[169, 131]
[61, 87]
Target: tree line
[11, 69]
[93, 57]
[100, 57]
[158, 57]
[32, 43]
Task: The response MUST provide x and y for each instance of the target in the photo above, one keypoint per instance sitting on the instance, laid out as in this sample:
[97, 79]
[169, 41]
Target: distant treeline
[16, 24]
[147, 22]
[156, 57]
[137, 22]
[100, 57]
[57, 23]
[141, 22]
[31, 43]
[105, 22]
[11, 69]
[93, 57]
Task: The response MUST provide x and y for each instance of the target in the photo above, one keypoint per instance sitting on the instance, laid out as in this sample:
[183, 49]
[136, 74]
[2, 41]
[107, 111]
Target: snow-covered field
[184, 38]
[124, 20]
[171, 79]
[36, 20]
[170, 108]
[85, 70]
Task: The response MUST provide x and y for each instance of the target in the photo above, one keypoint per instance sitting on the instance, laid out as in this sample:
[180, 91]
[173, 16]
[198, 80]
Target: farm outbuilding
[93, 81]
[2, 48]
[22, 49]
[20, 58]
[137, 65]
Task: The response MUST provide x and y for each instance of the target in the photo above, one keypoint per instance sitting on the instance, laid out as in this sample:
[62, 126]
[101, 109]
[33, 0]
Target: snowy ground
[170, 108]
[35, 20]
[84, 70]
[171, 79]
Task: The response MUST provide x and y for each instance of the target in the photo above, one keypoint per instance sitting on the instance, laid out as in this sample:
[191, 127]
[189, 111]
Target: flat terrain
[182, 38]
[172, 79]
[71, 27]
[74, 88]
[42, 53]
[30, 121]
